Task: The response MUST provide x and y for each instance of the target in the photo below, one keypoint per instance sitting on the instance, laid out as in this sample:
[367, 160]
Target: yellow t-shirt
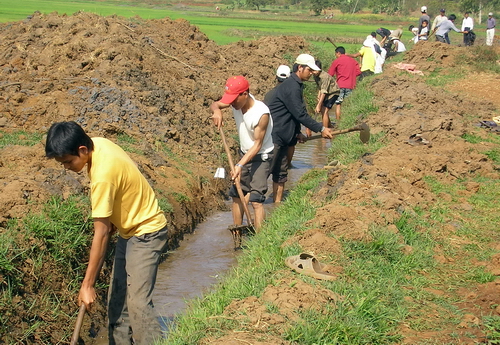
[368, 61]
[119, 191]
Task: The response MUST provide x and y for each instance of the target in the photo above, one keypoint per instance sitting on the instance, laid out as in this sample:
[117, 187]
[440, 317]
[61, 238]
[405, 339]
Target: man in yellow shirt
[121, 198]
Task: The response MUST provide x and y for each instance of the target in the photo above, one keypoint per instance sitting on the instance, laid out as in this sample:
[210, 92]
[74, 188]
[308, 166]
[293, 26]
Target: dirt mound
[146, 82]
[150, 80]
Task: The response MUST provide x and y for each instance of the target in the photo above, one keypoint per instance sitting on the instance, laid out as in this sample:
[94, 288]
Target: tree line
[390, 7]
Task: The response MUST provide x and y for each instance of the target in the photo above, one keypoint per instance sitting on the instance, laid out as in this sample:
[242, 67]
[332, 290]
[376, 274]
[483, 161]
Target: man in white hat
[289, 112]
[423, 17]
[282, 73]
[490, 29]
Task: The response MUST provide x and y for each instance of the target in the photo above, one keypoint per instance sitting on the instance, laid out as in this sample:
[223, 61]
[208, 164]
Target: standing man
[423, 17]
[438, 20]
[289, 111]
[121, 199]
[254, 125]
[445, 27]
[490, 29]
[346, 70]
[282, 73]
[467, 26]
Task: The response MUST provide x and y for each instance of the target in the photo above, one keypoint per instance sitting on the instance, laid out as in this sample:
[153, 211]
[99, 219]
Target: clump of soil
[144, 81]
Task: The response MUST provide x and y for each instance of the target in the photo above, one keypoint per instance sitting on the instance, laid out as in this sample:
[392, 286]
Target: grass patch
[128, 143]
[19, 138]
[443, 76]
[47, 252]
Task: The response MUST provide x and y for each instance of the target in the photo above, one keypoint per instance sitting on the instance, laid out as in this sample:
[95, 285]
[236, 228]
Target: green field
[221, 26]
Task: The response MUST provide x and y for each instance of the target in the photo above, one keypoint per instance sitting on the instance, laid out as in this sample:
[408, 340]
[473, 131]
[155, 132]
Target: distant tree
[319, 5]
[350, 6]
[469, 5]
[257, 3]
[385, 6]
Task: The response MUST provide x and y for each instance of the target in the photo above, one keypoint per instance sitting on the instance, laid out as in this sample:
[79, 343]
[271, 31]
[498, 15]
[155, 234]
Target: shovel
[364, 132]
[237, 230]
[78, 325]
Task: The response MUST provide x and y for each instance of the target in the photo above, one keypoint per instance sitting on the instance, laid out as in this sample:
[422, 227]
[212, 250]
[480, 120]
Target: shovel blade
[364, 133]
[220, 173]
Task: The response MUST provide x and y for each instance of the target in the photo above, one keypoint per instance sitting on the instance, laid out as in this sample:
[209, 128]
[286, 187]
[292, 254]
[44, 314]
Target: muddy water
[205, 255]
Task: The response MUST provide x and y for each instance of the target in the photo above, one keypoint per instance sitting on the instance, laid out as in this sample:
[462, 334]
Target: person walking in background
[346, 70]
[288, 111]
[445, 27]
[490, 29]
[438, 20]
[467, 26]
[121, 199]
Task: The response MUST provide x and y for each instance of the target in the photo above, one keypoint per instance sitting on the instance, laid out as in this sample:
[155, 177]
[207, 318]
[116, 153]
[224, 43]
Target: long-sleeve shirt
[491, 23]
[467, 23]
[439, 19]
[288, 111]
[445, 27]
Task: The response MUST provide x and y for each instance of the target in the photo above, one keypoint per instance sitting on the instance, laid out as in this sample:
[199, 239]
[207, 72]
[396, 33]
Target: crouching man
[121, 198]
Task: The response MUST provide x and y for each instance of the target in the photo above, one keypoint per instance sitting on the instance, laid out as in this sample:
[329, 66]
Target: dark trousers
[467, 37]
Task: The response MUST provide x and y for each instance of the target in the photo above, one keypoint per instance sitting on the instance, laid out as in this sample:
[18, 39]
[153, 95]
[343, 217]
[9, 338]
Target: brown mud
[153, 81]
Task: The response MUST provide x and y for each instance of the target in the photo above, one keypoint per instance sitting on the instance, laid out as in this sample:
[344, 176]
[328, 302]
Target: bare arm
[259, 134]
[216, 108]
[321, 98]
[102, 233]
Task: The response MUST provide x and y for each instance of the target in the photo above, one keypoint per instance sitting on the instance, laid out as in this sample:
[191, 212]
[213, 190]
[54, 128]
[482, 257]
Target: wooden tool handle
[78, 325]
[236, 183]
[342, 131]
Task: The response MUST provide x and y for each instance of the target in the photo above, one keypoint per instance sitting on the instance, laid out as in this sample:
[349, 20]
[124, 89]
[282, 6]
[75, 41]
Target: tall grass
[38, 252]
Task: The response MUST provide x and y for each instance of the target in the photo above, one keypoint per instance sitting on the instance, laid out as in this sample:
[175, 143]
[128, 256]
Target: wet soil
[154, 80]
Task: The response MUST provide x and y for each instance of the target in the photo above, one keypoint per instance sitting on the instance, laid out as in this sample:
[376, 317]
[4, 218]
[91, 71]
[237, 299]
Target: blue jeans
[130, 303]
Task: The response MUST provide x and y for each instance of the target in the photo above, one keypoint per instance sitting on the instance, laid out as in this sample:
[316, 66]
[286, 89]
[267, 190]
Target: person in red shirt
[346, 69]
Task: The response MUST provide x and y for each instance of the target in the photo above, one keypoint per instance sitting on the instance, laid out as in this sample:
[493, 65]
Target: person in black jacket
[289, 112]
